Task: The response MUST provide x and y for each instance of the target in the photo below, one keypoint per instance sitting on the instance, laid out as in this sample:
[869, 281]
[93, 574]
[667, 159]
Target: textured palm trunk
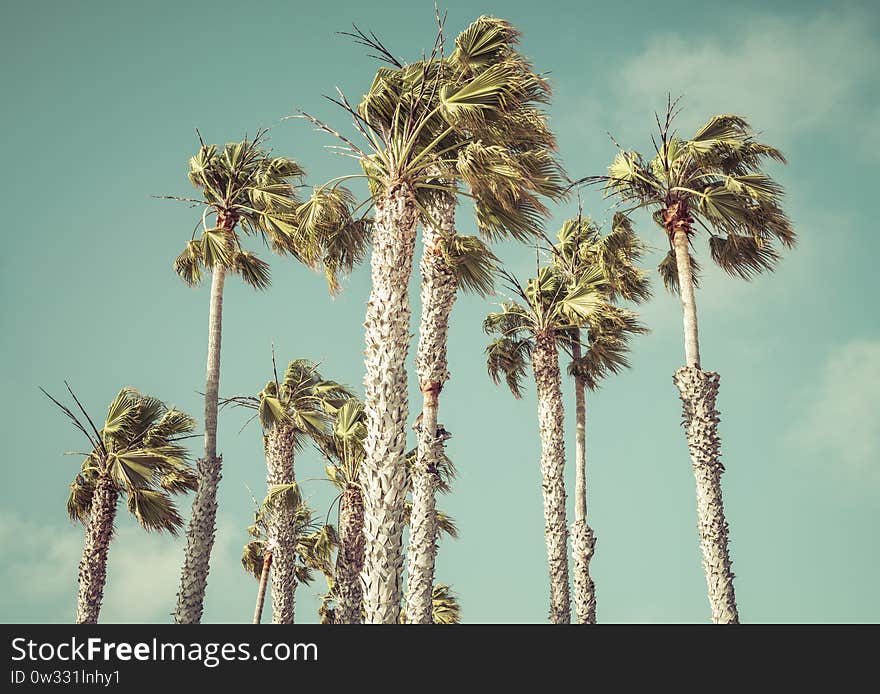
[383, 476]
[350, 557]
[281, 526]
[583, 541]
[202, 524]
[93, 564]
[261, 591]
[438, 297]
[545, 362]
[699, 392]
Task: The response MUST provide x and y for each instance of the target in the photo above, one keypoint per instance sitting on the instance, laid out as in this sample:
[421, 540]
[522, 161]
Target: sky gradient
[101, 101]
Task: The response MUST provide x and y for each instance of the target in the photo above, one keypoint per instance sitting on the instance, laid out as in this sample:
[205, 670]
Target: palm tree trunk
[202, 524]
[281, 524]
[350, 557]
[261, 591]
[545, 362]
[688, 300]
[699, 391]
[93, 565]
[583, 541]
[438, 296]
[386, 406]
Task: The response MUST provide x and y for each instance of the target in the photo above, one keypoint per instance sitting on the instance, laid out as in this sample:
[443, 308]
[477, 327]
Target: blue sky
[101, 102]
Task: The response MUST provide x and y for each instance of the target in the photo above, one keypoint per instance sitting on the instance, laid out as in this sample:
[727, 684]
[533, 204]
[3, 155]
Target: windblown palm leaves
[138, 454]
[245, 188]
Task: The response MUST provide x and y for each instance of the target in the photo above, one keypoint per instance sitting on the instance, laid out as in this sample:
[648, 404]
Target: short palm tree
[313, 543]
[422, 123]
[581, 246]
[137, 453]
[713, 182]
[532, 329]
[247, 190]
[292, 410]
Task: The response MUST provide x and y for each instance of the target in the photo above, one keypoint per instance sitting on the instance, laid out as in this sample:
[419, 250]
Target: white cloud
[839, 422]
[788, 75]
[39, 573]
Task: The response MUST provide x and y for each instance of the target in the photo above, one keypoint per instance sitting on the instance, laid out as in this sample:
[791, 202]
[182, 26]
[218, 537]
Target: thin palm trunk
[583, 541]
[699, 391]
[281, 524]
[383, 476]
[202, 524]
[438, 297]
[93, 565]
[261, 591]
[350, 557]
[545, 362]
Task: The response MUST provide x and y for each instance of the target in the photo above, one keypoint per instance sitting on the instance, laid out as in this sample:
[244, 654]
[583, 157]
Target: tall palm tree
[447, 259]
[421, 127]
[713, 182]
[292, 410]
[313, 543]
[137, 454]
[581, 246]
[247, 190]
[532, 329]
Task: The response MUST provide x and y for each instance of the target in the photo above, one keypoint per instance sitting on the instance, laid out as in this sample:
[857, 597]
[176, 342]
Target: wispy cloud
[838, 424]
[39, 573]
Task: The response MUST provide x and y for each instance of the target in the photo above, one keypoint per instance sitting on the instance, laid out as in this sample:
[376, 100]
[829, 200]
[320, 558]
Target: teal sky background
[100, 102]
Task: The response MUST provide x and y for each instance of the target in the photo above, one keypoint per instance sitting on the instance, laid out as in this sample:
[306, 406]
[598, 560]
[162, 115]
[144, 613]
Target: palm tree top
[139, 448]
[471, 118]
[243, 186]
[713, 180]
[302, 400]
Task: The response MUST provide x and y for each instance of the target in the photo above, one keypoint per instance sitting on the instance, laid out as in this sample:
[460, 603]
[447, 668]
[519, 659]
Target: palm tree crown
[138, 448]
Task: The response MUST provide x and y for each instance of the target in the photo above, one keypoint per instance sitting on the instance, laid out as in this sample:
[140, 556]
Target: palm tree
[345, 451]
[313, 544]
[450, 261]
[137, 454]
[421, 123]
[292, 410]
[532, 328]
[248, 190]
[581, 246]
[714, 182]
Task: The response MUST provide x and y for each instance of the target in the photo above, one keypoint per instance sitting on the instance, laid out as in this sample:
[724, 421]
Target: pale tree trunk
[383, 475]
[261, 591]
[350, 557]
[583, 541]
[699, 391]
[202, 524]
[281, 525]
[438, 296]
[545, 362]
[93, 565]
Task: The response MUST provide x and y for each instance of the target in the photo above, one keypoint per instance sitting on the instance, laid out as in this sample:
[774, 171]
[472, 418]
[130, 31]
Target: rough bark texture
[545, 362]
[438, 297]
[281, 526]
[382, 473]
[261, 591]
[93, 565]
[202, 524]
[583, 541]
[678, 223]
[199, 541]
[350, 558]
[699, 391]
